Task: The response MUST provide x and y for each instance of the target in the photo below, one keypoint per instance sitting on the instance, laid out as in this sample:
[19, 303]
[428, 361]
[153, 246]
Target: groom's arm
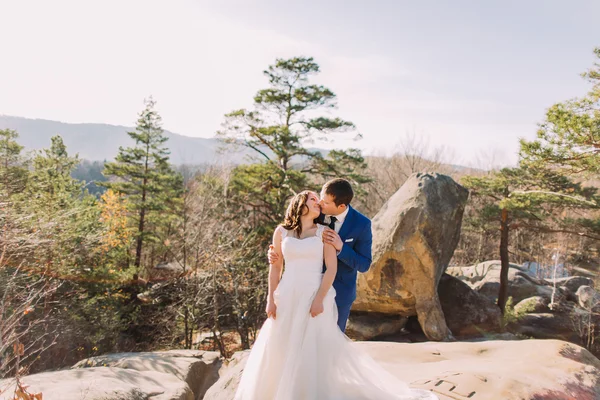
[359, 257]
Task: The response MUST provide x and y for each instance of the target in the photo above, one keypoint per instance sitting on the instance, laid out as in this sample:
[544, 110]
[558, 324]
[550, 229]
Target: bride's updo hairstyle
[296, 209]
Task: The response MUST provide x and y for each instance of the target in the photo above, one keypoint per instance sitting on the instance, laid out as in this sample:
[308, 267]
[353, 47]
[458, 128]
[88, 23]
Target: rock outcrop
[467, 312]
[535, 304]
[484, 278]
[543, 308]
[104, 383]
[588, 298]
[366, 326]
[163, 375]
[199, 369]
[525, 370]
[496, 369]
[522, 284]
[414, 237]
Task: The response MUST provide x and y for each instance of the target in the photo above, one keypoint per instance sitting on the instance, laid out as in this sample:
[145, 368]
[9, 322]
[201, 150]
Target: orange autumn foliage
[114, 217]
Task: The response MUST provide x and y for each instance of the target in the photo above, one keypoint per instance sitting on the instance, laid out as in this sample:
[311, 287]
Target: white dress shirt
[340, 220]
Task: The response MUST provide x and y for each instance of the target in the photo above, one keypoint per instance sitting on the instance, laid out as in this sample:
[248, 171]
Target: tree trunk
[138, 249]
[503, 292]
[140, 239]
[480, 246]
[188, 344]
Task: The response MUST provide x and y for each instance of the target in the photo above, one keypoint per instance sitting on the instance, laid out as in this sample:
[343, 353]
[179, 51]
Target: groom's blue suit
[354, 257]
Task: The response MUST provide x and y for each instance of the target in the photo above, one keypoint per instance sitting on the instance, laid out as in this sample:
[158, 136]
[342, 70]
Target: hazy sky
[472, 76]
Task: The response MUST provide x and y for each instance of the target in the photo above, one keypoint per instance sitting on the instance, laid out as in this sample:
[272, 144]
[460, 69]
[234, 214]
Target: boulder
[546, 326]
[535, 304]
[526, 369]
[572, 283]
[477, 272]
[199, 369]
[414, 237]
[467, 312]
[104, 383]
[520, 284]
[588, 298]
[372, 325]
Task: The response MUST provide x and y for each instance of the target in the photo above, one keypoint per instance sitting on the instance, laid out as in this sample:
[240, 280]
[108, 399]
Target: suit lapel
[347, 223]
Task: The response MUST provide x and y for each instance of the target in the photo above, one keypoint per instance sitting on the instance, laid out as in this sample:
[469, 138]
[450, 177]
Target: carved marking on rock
[453, 386]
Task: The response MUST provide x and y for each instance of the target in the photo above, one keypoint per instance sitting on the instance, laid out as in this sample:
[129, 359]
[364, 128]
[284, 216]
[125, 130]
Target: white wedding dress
[298, 357]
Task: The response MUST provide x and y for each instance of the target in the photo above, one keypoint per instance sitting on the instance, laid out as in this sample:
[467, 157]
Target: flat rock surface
[160, 375]
[199, 369]
[527, 369]
[103, 383]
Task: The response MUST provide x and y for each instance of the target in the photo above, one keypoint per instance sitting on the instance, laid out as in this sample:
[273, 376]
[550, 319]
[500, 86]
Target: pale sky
[472, 76]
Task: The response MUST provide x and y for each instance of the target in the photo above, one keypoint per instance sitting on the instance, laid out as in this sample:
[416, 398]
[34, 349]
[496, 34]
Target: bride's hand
[316, 308]
[271, 310]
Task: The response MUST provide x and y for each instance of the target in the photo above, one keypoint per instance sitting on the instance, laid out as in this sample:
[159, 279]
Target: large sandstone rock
[519, 287]
[572, 283]
[104, 383]
[485, 279]
[414, 237]
[535, 304]
[199, 369]
[546, 326]
[372, 325]
[467, 312]
[524, 370]
[475, 273]
[588, 298]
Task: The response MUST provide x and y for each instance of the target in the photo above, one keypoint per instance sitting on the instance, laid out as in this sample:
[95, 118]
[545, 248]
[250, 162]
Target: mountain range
[100, 142]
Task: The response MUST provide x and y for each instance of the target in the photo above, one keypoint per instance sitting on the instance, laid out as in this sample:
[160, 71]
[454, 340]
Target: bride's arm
[330, 257]
[275, 270]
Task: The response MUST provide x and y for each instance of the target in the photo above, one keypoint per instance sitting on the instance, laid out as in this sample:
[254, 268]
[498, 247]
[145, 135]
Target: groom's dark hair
[340, 189]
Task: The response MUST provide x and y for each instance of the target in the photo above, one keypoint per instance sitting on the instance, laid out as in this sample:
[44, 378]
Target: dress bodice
[303, 257]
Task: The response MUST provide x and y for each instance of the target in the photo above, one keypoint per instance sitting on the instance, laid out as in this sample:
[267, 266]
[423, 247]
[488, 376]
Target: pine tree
[527, 197]
[56, 210]
[143, 174]
[569, 139]
[288, 116]
[13, 171]
[50, 185]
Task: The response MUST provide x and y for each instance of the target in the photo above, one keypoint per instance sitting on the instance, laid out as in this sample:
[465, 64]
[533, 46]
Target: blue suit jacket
[355, 255]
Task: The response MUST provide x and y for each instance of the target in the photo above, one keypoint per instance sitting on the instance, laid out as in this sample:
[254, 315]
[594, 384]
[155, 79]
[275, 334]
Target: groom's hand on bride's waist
[331, 237]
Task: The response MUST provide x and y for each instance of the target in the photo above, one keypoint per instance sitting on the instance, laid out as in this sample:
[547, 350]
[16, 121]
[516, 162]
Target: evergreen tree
[569, 139]
[56, 210]
[13, 172]
[144, 175]
[288, 116]
[50, 185]
[526, 197]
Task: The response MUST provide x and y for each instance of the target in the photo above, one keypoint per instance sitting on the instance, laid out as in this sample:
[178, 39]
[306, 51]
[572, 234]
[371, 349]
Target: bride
[300, 352]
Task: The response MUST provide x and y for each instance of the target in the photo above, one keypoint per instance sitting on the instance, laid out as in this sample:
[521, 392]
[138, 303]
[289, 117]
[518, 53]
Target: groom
[350, 234]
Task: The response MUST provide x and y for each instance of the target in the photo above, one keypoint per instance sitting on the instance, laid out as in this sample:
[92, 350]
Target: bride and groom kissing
[301, 351]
